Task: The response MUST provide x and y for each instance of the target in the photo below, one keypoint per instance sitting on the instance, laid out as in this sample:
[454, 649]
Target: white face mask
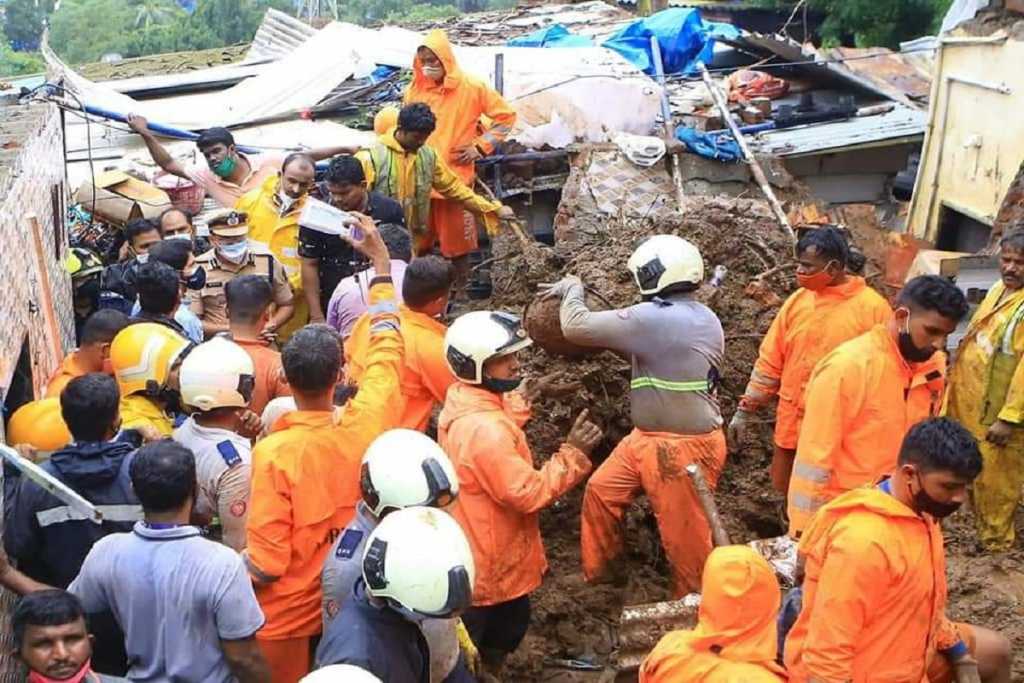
[235, 253]
[180, 236]
[142, 258]
[285, 201]
[434, 73]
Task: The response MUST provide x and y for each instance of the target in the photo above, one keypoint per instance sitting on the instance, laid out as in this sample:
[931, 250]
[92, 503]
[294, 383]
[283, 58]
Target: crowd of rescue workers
[255, 415]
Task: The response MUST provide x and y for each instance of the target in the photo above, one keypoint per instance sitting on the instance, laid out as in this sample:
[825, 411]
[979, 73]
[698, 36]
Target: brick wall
[32, 181]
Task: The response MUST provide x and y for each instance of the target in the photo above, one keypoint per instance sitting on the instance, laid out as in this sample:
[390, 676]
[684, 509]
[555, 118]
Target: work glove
[965, 670]
[737, 430]
[469, 649]
[552, 290]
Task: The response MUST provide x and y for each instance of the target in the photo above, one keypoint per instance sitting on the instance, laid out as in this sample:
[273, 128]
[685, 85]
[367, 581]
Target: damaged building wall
[38, 320]
[975, 141]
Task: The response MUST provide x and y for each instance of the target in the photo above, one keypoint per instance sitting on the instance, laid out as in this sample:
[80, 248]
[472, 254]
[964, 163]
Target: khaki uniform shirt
[211, 304]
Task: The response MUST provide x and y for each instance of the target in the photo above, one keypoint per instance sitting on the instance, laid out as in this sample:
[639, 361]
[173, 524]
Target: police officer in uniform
[233, 255]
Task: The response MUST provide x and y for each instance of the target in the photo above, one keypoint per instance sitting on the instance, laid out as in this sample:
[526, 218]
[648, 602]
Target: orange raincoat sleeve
[269, 525]
[450, 186]
[502, 117]
[854, 568]
[767, 373]
[834, 396]
[378, 405]
[513, 482]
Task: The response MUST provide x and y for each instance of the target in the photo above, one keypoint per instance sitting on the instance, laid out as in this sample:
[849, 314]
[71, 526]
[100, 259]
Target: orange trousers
[289, 659]
[453, 226]
[654, 463]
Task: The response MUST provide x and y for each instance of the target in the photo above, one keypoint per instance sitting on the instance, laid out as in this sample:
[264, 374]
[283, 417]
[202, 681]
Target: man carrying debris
[986, 395]
[460, 102]
[145, 358]
[676, 344]
[736, 635]
[425, 374]
[501, 492]
[830, 307]
[273, 210]
[93, 352]
[868, 392]
[228, 174]
[403, 166]
[234, 256]
[875, 588]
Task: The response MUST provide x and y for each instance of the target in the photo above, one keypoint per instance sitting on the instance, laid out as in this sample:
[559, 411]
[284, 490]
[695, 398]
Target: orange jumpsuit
[874, 593]
[736, 638]
[425, 373]
[69, 369]
[862, 399]
[458, 102]
[501, 493]
[305, 486]
[808, 326]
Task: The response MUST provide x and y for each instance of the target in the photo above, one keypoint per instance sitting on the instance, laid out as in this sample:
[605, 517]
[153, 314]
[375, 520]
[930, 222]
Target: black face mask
[501, 386]
[926, 504]
[911, 351]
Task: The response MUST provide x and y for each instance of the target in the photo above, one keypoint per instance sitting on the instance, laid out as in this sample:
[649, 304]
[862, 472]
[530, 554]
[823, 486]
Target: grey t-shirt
[176, 595]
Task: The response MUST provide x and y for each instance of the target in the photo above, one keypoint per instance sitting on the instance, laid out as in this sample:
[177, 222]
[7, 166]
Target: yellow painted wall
[981, 145]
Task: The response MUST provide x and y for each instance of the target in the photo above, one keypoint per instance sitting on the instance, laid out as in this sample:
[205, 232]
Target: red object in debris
[747, 84]
[184, 194]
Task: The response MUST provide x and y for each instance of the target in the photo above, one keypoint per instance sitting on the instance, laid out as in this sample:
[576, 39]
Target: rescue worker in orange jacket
[93, 352]
[501, 491]
[305, 474]
[875, 584]
[425, 374]
[866, 394]
[736, 635]
[459, 101]
[676, 345]
[829, 308]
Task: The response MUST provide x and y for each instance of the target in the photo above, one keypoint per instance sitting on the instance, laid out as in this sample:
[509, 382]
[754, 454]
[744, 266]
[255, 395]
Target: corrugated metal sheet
[900, 123]
[278, 35]
[904, 75]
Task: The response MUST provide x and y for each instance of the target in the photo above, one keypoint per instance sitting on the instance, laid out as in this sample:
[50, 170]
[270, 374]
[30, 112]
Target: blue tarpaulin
[720, 146]
[685, 39]
[552, 36]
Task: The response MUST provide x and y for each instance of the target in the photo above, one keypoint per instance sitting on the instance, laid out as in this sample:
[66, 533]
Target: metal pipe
[522, 156]
[499, 85]
[1000, 88]
[666, 114]
[160, 128]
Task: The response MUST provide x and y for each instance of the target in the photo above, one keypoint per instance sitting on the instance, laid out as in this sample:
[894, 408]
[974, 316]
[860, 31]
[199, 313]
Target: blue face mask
[234, 252]
[195, 281]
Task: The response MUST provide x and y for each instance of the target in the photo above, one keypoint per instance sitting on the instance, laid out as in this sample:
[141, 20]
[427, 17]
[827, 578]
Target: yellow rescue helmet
[143, 355]
[385, 120]
[39, 424]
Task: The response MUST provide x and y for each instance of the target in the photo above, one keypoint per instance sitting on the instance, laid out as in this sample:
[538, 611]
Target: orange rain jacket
[874, 593]
[500, 491]
[425, 372]
[736, 638]
[305, 484]
[458, 102]
[862, 399]
[808, 326]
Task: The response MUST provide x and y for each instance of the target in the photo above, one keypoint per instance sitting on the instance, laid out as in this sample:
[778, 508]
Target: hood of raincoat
[437, 42]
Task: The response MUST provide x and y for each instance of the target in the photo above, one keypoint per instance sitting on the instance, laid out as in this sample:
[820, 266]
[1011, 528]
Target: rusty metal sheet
[888, 69]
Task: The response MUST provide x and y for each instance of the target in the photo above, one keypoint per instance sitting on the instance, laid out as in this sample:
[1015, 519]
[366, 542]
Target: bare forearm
[328, 152]
[16, 582]
[246, 662]
[161, 156]
[311, 287]
[282, 316]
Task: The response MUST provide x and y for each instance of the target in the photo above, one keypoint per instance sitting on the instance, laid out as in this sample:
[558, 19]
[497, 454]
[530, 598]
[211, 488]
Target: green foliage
[23, 21]
[18, 63]
[867, 23]
[418, 13]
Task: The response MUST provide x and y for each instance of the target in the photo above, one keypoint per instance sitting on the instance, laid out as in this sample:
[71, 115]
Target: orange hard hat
[39, 424]
[385, 120]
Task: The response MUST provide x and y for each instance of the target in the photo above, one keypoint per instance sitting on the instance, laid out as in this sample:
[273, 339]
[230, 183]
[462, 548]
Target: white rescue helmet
[665, 260]
[478, 336]
[403, 468]
[419, 560]
[217, 374]
[340, 673]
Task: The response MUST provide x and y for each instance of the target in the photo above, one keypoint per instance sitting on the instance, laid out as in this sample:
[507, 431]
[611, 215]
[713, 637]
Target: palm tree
[153, 12]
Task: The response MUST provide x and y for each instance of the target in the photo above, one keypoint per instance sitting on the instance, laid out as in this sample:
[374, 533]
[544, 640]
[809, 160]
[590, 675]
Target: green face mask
[225, 168]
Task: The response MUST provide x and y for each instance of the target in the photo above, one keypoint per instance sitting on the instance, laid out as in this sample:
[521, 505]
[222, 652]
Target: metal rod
[159, 128]
[666, 115]
[499, 85]
[523, 156]
[719, 536]
[755, 167]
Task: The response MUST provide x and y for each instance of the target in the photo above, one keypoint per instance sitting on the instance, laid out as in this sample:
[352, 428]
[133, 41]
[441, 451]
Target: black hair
[940, 444]
[934, 293]
[298, 156]
[312, 358]
[345, 170]
[215, 136]
[829, 243]
[427, 279]
[163, 475]
[139, 227]
[158, 286]
[417, 118]
[167, 212]
[397, 240]
[248, 296]
[51, 607]
[89, 406]
[1013, 240]
[174, 253]
[102, 326]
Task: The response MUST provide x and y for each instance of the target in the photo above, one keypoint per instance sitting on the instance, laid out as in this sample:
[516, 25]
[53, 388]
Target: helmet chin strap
[500, 386]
